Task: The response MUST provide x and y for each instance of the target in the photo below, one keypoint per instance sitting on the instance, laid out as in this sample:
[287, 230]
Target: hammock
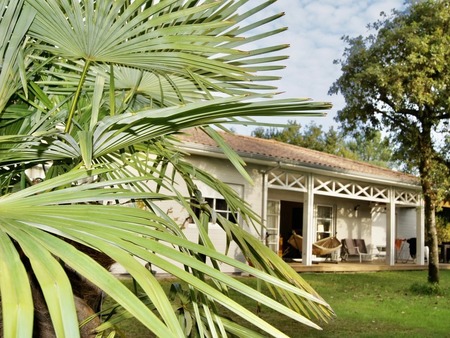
[322, 247]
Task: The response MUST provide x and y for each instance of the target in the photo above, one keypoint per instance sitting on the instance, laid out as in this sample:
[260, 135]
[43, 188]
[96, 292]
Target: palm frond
[125, 130]
[17, 304]
[168, 37]
[16, 19]
[95, 93]
[33, 216]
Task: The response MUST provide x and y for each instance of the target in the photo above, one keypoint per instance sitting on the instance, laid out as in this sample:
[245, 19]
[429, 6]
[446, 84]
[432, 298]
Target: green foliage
[398, 80]
[370, 147]
[443, 228]
[92, 97]
[427, 289]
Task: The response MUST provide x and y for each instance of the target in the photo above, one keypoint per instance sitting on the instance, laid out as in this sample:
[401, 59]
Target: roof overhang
[208, 151]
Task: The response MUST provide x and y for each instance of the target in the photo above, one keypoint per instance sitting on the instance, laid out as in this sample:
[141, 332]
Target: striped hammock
[322, 247]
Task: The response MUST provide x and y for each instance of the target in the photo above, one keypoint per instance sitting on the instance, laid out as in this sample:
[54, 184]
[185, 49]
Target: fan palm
[94, 93]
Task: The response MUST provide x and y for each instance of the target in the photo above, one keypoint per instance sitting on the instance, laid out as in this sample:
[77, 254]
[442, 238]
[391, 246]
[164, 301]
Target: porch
[366, 266]
[319, 205]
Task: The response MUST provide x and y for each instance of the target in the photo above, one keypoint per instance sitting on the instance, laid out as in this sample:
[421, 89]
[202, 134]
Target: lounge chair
[361, 248]
[348, 249]
[357, 247]
[380, 255]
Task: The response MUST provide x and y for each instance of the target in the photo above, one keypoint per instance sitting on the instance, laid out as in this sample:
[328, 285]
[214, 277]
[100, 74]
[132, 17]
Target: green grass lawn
[378, 304]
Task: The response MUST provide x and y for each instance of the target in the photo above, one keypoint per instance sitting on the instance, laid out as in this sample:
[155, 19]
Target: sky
[315, 29]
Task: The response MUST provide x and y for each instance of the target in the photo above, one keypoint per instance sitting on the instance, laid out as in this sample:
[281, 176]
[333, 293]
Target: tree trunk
[430, 199]
[432, 242]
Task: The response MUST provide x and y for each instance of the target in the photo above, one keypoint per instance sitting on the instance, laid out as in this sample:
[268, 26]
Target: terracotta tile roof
[270, 150]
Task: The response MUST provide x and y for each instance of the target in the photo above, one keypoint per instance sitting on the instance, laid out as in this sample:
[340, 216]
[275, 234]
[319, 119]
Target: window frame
[211, 197]
[321, 230]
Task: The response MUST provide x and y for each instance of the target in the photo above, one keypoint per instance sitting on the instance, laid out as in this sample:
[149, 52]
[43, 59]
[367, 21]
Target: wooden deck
[360, 267]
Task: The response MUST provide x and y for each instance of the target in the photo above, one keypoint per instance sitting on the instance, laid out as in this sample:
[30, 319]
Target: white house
[314, 193]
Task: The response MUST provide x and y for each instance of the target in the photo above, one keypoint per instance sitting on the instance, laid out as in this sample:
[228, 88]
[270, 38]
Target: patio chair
[361, 249]
[357, 247]
[380, 255]
[348, 249]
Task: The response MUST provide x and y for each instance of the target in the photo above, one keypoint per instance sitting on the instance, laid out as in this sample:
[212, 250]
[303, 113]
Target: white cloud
[315, 28]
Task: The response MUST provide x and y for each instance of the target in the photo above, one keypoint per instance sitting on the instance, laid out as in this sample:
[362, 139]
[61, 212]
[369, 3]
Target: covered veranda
[312, 184]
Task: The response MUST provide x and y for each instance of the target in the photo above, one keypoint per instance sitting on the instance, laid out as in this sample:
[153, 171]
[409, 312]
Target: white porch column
[390, 228]
[264, 205]
[308, 221]
[420, 234]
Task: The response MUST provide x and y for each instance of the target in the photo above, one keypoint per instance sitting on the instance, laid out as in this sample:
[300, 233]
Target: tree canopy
[398, 80]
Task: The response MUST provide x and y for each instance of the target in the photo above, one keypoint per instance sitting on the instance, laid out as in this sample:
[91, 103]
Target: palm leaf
[173, 36]
[119, 132]
[121, 78]
[52, 279]
[100, 226]
[17, 305]
[16, 19]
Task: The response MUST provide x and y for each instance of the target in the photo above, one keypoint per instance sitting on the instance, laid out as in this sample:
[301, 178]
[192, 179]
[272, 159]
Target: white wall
[379, 222]
[226, 173]
[351, 223]
[282, 195]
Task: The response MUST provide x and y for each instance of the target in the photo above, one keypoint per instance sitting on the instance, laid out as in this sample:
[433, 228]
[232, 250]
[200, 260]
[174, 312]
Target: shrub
[429, 289]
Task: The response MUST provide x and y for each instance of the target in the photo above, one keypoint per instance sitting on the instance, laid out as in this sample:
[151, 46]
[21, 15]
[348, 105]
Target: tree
[94, 93]
[397, 80]
[311, 136]
[370, 147]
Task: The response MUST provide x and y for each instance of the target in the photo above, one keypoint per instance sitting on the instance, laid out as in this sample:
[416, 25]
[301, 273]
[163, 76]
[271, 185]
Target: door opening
[291, 219]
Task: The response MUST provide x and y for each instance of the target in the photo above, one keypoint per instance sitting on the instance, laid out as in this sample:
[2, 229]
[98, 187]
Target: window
[218, 203]
[220, 206]
[324, 221]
